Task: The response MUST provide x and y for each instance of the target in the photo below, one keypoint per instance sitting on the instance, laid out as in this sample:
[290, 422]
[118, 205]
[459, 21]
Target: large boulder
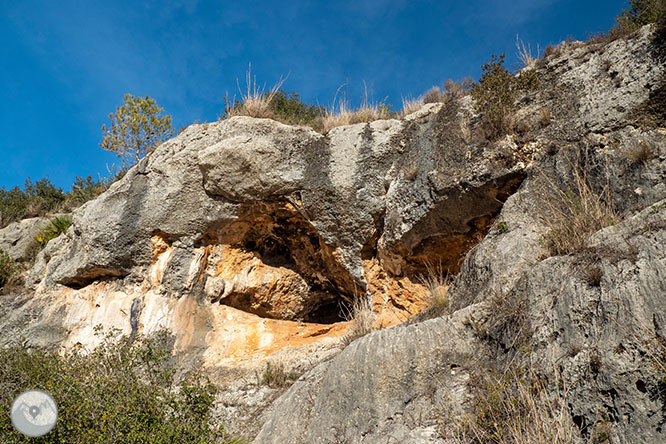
[18, 238]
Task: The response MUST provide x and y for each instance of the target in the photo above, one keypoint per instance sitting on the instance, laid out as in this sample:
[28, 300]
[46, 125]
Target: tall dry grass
[572, 215]
[341, 114]
[514, 408]
[362, 319]
[255, 100]
[525, 53]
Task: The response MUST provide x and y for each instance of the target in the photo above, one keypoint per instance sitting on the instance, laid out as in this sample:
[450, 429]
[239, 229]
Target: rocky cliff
[247, 238]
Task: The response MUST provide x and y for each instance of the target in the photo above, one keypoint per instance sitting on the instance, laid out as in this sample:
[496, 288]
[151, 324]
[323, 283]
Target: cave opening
[289, 272]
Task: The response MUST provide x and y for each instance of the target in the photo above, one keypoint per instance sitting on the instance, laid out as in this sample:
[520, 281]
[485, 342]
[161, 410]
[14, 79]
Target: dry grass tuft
[411, 105]
[437, 282]
[640, 152]
[362, 318]
[525, 53]
[572, 215]
[369, 111]
[517, 407]
[275, 375]
[545, 118]
[255, 100]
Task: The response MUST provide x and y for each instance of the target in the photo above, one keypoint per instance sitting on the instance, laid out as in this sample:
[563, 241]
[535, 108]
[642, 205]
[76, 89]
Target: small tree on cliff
[135, 128]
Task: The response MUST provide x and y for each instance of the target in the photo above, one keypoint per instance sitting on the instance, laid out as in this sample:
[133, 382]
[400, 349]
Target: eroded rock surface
[246, 237]
[17, 238]
[592, 320]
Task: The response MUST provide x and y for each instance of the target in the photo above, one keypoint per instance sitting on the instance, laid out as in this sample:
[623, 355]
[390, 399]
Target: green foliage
[289, 108]
[42, 197]
[136, 127]
[495, 95]
[36, 199]
[55, 228]
[640, 13]
[121, 392]
[7, 268]
[283, 106]
[86, 189]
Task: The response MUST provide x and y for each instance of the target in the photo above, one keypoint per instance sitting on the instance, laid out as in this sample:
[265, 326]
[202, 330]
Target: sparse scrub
[513, 407]
[495, 96]
[640, 13]
[7, 268]
[552, 51]
[574, 214]
[36, 199]
[437, 282]
[640, 152]
[123, 391]
[42, 198]
[86, 189]
[434, 95]
[452, 91]
[362, 317]
[276, 376]
[55, 228]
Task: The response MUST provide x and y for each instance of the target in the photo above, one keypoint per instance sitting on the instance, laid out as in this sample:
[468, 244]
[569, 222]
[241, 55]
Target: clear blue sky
[65, 65]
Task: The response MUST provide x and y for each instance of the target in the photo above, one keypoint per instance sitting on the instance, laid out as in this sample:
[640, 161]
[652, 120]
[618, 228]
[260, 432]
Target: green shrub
[121, 392]
[42, 197]
[640, 13]
[7, 268]
[289, 108]
[495, 95]
[13, 205]
[55, 228]
[86, 189]
[279, 105]
[36, 199]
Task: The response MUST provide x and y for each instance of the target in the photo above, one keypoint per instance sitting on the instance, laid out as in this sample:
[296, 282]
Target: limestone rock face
[246, 238]
[284, 215]
[593, 319]
[17, 237]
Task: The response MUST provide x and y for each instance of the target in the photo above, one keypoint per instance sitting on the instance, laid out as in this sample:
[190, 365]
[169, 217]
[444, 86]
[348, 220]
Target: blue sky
[67, 64]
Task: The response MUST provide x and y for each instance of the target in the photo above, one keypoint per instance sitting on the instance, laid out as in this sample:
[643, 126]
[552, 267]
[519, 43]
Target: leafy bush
[7, 268]
[640, 13]
[495, 95]
[36, 199]
[289, 108]
[120, 392]
[86, 189]
[55, 228]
